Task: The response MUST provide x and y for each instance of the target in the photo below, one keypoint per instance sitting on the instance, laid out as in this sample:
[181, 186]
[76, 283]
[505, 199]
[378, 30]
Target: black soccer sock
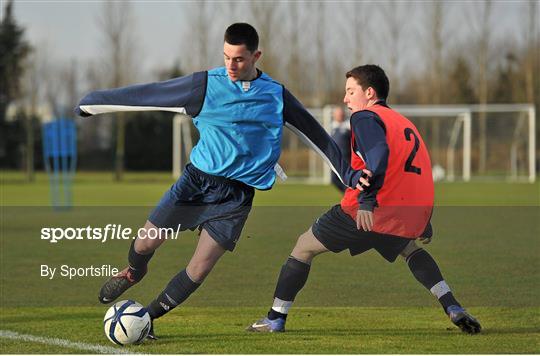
[137, 262]
[176, 292]
[292, 278]
[425, 270]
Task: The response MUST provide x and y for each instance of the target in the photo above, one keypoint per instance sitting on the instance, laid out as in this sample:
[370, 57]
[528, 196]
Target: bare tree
[435, 48]
[395, 19]
[50, 72]
[43, 94]
[293, 68]
[532, 48]
[340, 18]
[265, 18]
[435, 12]
[88, 129]
[483, 81]
[202, 33]
[69, 75]
[117, 24]
[198, 35]
[320, 56]
[480, 22]
[295, 49]
[309, 64]
[359, 16]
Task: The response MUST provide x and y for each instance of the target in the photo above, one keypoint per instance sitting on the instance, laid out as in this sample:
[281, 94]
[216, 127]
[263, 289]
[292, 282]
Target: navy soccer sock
[137, 262]
[177, 291]
[425, 270]
[292, 278]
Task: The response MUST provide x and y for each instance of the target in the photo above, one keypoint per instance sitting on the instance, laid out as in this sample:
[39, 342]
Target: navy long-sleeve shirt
[370, 144]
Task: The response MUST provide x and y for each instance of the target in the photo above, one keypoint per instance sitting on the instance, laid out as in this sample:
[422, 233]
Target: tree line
[306, 46]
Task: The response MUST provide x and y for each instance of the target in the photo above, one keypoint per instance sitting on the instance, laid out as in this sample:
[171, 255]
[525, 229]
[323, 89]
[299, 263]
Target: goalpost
[450, 132]
[526, 121]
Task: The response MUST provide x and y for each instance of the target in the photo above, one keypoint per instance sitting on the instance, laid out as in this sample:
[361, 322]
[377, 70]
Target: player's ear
[371, 93]
[257, 54]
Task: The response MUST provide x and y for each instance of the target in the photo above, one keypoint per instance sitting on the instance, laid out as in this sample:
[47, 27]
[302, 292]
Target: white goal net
[453, 133]
[462, 148]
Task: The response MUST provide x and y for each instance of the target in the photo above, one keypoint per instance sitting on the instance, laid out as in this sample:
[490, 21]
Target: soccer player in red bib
[391, 212]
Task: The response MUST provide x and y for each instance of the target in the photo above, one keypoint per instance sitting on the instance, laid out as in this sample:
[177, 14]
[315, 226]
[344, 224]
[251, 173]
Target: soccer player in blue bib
[240, 113]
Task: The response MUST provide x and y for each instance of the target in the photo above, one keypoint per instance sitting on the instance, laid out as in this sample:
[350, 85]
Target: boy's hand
[363, 182]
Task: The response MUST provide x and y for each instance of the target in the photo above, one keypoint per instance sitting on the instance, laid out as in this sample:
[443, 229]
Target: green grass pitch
[487, 245]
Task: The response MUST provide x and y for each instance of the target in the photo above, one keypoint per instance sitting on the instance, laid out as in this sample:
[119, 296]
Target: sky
[70, 29]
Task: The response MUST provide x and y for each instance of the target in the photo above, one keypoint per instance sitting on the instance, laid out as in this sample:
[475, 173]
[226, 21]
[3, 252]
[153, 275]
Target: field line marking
[6, 334]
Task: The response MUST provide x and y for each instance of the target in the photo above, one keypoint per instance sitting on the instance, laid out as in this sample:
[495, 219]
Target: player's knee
[146, 246]
[303, 255]
[149, 238]
[409, 249]
[307, 247]
[198, 271]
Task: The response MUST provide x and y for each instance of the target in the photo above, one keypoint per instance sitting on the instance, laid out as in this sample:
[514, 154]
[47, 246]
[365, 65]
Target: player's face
[356, 98]
[240, 62]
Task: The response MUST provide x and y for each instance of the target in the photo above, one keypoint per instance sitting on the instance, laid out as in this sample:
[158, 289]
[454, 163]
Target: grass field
[487, 245]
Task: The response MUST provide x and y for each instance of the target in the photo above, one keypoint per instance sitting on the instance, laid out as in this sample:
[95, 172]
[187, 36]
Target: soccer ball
[438, 173]
[127, 322]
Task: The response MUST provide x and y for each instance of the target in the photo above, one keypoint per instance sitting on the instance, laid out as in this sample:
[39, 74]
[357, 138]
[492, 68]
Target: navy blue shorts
[198, 199]
[337, 232]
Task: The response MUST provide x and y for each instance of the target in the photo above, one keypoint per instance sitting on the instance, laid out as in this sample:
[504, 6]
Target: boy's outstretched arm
[183, 95]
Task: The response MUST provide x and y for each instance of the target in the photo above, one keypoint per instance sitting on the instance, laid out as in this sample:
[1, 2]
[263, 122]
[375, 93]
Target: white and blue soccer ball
[127, 322]
[438, 172]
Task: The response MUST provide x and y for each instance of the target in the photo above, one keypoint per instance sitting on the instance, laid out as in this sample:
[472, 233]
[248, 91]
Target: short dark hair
[371, 75]
[242, 33]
